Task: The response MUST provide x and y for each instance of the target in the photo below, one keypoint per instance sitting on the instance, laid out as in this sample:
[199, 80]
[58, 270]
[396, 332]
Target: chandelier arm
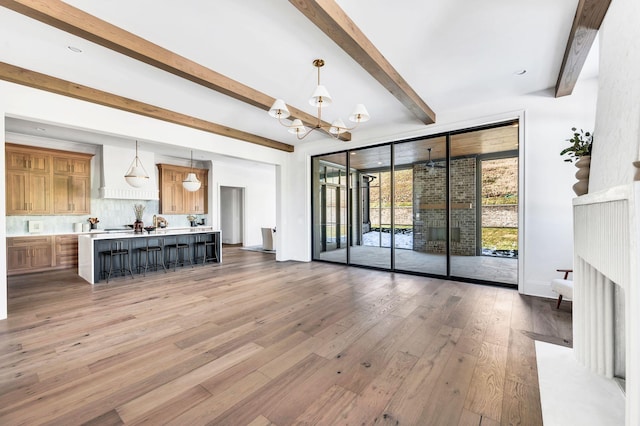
[304, 135]
[282, 123]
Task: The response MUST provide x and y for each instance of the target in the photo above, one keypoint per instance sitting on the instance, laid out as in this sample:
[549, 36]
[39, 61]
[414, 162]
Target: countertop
[159, 231]
[102, 231]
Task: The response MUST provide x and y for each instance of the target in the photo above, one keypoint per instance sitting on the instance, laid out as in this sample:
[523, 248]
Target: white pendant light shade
[297, 127]
[321, 97]
[137, 176]
[337, 127]
[279, 109]
[359, 114]
[191, 183]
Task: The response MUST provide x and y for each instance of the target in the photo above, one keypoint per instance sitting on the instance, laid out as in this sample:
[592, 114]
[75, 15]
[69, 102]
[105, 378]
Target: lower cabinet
[66, 251]
[29, 254]
[41, 253]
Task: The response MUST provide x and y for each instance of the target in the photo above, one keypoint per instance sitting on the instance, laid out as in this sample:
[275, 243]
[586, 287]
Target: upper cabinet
[27, 159]
[76, 166]
[47, 182]
[174, 199]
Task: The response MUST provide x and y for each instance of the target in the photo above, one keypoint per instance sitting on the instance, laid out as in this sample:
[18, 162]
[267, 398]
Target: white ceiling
[452, 52]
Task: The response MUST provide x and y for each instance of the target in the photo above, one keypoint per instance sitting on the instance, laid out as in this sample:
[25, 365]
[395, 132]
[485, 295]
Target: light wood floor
[254, 341]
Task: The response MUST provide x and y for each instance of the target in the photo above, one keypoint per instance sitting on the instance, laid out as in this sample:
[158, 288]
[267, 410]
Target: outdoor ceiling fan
[432, 164]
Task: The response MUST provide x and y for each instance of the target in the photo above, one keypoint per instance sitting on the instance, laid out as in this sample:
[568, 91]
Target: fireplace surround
[606, 257]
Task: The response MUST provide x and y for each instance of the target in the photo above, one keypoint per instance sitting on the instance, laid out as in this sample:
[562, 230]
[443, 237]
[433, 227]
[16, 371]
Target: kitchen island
[91, 245]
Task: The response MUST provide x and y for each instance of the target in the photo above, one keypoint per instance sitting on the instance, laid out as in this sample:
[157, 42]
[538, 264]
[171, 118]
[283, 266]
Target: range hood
[115, 164]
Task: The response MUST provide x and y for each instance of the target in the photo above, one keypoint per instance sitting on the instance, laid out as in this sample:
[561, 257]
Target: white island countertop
[159, 231]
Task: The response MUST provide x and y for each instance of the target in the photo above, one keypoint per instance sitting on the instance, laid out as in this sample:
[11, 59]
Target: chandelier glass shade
[191, 182]
[319, 99]
[137, 176]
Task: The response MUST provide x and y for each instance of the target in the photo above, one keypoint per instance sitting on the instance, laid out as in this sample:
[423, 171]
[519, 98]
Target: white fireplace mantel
[606, 254]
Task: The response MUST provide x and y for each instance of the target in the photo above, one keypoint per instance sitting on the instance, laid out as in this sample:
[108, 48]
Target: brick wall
[430, 214]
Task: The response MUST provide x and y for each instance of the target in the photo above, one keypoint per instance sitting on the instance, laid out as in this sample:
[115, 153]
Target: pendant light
[191, 183]
[137, 176]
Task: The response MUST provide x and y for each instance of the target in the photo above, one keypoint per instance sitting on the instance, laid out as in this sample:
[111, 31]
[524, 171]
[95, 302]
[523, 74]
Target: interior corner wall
[3, 224]
[617, 130]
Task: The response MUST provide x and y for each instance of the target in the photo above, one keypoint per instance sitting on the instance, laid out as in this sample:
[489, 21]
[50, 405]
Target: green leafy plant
[581, 143]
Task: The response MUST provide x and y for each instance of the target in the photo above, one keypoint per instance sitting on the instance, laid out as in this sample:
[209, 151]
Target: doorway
[232, 214]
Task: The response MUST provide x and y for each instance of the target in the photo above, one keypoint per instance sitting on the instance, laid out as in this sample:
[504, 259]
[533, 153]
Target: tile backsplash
[111, 213]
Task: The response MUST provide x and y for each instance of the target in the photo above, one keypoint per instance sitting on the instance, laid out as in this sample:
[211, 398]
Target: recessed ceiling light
[74, 49]
[41, 129]
[520, 72]
[353, 153]
[379, 162]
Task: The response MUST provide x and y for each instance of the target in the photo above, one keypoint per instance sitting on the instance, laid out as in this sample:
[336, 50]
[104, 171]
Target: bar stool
[119, 250]
[181, 246]
[155, 247]
[205, 244]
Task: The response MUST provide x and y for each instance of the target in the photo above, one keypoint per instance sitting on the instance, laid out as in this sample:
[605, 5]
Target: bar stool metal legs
[119, 251]
[206, 245]
[183, 247]
[155, 248]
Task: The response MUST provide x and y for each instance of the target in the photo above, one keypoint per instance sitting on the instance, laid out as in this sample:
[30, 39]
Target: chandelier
[320, 99]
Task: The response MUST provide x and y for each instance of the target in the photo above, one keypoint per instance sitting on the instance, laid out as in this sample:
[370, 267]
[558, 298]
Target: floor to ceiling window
[444, 205]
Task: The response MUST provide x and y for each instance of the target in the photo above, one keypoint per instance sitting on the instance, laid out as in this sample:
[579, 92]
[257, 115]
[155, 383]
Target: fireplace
[606, 298]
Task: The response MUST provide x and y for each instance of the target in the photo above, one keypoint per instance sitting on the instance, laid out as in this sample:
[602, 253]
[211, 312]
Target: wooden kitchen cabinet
[174, 199]
[71, 194]
[71, 165]
[27, 159]
[41, 253]
[66, 251]
[29, 254]
[34, 187]
[28, 193]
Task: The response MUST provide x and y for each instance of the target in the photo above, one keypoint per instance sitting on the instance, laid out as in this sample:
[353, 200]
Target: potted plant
[580, 150]
[580, 145]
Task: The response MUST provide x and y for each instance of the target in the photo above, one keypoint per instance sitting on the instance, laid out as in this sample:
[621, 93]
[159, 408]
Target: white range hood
[115, 164]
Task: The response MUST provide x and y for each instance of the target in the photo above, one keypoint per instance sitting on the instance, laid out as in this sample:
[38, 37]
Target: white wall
[259, 183]
[616, 146]
[3, 222]
[617, 132]
[231, 214]
[547, 195]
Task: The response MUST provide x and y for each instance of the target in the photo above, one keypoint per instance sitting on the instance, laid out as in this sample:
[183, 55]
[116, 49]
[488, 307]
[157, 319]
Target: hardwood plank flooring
[258, 342]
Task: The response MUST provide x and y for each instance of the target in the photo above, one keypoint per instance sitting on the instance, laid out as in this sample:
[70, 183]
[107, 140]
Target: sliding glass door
[443, 205]
[330, 208]
[372, 171]
[421, 206]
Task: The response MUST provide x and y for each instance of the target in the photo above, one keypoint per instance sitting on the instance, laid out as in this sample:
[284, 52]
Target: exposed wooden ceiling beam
[79, 23]
[335, 23]
[40, 81]
[586, 23]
